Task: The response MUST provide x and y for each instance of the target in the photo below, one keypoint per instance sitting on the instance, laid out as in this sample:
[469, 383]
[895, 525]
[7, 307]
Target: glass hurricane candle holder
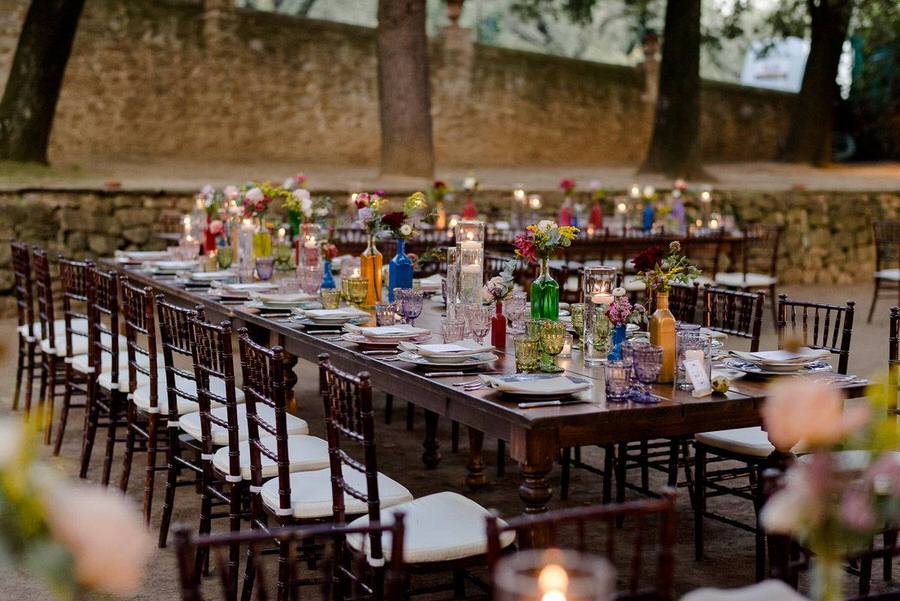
[470, 237]
[647, 362]
[577, 311]
[553, 575]
[357, 289]
[691, 345]
[385, 315]
[528, 354]
[450, 286]
[597, 284]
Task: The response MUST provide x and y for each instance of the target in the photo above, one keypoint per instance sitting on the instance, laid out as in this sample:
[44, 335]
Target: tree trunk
[29, 101]
[809, 136]
[675, 145]
[404, 90]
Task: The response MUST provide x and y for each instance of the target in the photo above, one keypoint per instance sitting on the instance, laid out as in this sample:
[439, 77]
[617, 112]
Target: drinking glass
[310, 277]
[288, 285]
[533, 329]
[647, 361]
[331, 298]
[618, 380]
[577, 311]
[691, 345]
[514, 308]
[264, 268]
[224, 257]
[478, 318]
[357, 289]
[597, 286]
[453, 329]
[411, 302]
[385, 314]
[528, 354]
[553, 338]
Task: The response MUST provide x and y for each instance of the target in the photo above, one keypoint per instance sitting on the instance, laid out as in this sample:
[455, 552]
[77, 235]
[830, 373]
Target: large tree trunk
[29, 101]
[675, 144]
[809, 136]
[404, 90]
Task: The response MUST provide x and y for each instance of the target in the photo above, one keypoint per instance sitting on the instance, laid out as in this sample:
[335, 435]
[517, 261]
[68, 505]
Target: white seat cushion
[104, 380]
[306, 453]
[632, 284]
[888, 274]
[744, 280]
[767, 590]
[81, 362]
[753, 442]
[311, 493]
[190, 422]
[59, 327]
[441, 527]
[141, 395]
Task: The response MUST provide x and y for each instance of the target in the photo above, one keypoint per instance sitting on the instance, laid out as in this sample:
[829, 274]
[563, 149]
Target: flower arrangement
[211, 200]
[295, 182]
[402, 224]
[543, 239]
[499, 287]
[369, 208]
[440, 191]
[567, 185]
[621, 312]
[256, 200]
[659, 268]
[328, 251]
[78, 538]
[833, 508]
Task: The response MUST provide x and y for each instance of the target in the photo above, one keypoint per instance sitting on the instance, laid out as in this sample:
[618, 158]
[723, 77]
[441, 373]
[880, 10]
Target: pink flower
[525, 248]
[794, 508]
[801, 409]
[856, 510]
[362, 200]
[254, 195]
[216, 227]
[567, 184]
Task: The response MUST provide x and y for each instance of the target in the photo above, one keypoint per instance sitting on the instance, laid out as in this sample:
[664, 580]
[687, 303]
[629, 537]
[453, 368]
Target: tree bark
[404, 89]
[812, 120]
[29, 101]
[675, 144]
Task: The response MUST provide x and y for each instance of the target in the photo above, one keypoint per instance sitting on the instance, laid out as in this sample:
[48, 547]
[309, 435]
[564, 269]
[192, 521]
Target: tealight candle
[602, 298]
[567, 347]
[694, 355]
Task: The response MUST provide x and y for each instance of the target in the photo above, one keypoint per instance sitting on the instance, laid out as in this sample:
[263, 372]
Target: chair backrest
[887, 244]
[344, 576]
[759, 249]
[213, 359]
[817, 325]
[175, 337]
[22, 287]
[569, 529]
[734, 313]
[103, 322]
[894, 356]
[350, 421]
[75, 279]
[704, 251]
[265, 384]
[43, 289]
[683, 301]
[138, 313]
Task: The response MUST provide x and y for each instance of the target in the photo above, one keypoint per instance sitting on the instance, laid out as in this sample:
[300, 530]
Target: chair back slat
[175, 337]
[704, 250]
[75, 279]
[817, 325]
[213, 360]
[341, 576]
[734, 313]
[683, 302]
[43, 288]
[759, 249]
[138, 314]
[103, 323]
[637, 517]
[887, 245]
[22, 287]
[350, 422]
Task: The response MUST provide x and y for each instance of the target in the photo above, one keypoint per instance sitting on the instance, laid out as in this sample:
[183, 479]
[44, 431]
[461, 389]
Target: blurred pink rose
[216, 227]
[856, 510]
[800, 409]
[105, 534]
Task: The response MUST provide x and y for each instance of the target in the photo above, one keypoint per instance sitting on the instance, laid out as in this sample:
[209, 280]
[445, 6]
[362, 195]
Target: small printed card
[695, 370]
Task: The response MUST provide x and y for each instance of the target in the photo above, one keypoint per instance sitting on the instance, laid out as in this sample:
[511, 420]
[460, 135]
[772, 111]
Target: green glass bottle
[545, 294]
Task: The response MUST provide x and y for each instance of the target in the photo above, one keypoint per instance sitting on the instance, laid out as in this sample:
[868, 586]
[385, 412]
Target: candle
[622, 207]
[635, 191]
[602, 298]
[534, 201]
[281, 234]
[694, 355]
[310, 242]
[553, 581]
[713, 224]
[519, 194]
[355, 272]
[706, 196]
[567, 347]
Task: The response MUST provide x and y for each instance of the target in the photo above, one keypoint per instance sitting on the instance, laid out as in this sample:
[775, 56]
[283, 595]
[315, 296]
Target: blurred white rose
[231, 192]
[12, 437]
[254, 195]
[406, 229]
[546, 225]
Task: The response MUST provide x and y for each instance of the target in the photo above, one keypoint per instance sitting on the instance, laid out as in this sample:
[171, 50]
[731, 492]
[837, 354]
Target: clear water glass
[265, 266]
[310, 277]
[618, 380]
[453, 329]
[385, 314]
[647, 362]
[514, 309]
[577, 311]
[691, 344]
[528, 354]
[478, 319]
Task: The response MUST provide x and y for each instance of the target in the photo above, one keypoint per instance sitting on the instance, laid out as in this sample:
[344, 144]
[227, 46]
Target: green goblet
[553, 338]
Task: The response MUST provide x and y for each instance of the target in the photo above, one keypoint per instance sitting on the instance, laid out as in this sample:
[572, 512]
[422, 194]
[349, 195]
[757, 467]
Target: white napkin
[387, 332]
[273, 297]
[780, 357]
[463, 348]
[346, 312]
[560, 384]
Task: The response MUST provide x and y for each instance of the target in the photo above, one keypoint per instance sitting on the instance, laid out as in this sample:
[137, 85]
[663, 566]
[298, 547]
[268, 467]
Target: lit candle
[713, 224]
[635, 191]
[534, 201]
[602, 298]
[553, 581]
[567, 347]
[622, 207]
[706, 196]
[355, 272]
[281, 234]
[519, 195]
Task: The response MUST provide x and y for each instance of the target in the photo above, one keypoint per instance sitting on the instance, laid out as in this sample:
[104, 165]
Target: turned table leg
[476, 479]
[432, 455]
[535, 450]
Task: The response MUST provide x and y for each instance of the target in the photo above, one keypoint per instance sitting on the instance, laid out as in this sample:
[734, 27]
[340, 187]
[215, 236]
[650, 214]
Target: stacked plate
[335, 317]
[773, 363]
[538, 386]
[240, 291]
[212, 276]
[141, 256]
[172, 267]
[431, 284]
[280, 300]
[469, 362]
[453, 353]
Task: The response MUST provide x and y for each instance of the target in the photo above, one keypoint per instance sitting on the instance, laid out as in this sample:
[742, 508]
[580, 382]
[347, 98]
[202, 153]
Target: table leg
[476, 479]
[535, 450]
[432, 456]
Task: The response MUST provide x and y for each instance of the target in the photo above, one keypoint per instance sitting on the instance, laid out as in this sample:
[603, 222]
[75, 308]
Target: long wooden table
[535, 435]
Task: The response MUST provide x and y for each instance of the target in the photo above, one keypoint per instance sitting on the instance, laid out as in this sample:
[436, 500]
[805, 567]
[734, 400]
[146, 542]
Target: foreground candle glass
[411, 302]
[528, 354]
[553, 575]
[567, 347]
[618, 380]
[224, 257]
[453, 329]
[598, 283]
[264, 268]
[514, 309]
[357, 289]
[691, 345]
[331, 298]
[385, 315]
[470, 236]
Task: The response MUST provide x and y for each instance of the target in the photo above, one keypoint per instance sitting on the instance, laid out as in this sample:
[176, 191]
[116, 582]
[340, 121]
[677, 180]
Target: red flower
[647, 259]
[525, 248]
[438, 184]
[393, 220]
[567, 184]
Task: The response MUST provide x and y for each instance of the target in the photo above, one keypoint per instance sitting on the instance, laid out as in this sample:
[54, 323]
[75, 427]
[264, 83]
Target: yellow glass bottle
[662, 334]
[370, 263]
[262, 241]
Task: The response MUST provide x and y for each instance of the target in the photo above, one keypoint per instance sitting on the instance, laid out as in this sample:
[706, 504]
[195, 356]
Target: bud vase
[209, 239]
[498, 326]
[370, 263]
[400, 270]
[545, 294]
[327, 276]
[662, 334]
[618, 338]
[262, 241]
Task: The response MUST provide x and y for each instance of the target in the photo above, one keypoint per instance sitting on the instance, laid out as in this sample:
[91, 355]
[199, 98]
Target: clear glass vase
[545, 294]
[370, 263]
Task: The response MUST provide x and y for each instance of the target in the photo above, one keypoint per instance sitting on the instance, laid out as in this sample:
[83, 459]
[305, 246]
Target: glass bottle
[400, 270]
[662, 334]
[545, 294]
[370, 263]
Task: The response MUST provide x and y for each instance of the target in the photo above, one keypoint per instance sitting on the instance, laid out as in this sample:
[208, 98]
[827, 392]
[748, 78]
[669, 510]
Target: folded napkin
[387, 332]
[274, 297]
[802, 357]
[212, 275]
[561, 384]
[345, 312]
[463, 348]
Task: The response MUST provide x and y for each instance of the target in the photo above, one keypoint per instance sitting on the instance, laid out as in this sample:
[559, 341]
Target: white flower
[231, 192]
[254, 195]
[649, 191]
[470, 183]
[322, 211]
[104, 532]
[301, 194]
[546, 225]
[618, 292]
[406, 229]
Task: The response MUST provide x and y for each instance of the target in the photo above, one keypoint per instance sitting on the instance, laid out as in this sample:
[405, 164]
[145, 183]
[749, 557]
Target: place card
[695, 370]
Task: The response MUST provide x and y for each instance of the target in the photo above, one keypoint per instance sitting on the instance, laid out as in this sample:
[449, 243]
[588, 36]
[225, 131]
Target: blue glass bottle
[327, 276]
[648, 217]
[400, 270]
[618, 339]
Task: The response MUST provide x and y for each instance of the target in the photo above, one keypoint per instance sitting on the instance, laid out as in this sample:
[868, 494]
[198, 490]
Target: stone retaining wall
[827, 239]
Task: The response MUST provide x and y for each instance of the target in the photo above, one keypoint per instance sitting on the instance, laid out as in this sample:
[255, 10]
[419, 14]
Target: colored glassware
[370, 263]
[400, 270]
[545, 294]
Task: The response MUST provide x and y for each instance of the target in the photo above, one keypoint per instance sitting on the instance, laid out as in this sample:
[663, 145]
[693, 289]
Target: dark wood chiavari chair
[75, 278]
[887, 259]
[454, 545]
[569, 529]
[817, 325]
[342, 575]
[683, 301]
[107, 369]
[27, 329]
[704, 251]
[734, 313]
[53, 341]
[758, 262]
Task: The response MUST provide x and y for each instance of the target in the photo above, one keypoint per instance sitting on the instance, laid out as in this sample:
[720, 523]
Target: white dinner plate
[470, 362]
[757, 370]
[538, 386]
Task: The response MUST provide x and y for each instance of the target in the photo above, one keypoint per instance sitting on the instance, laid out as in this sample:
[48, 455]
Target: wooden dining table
[535, 435]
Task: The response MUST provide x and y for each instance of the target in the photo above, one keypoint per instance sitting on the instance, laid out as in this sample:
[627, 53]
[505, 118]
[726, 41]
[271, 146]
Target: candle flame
[553, 581]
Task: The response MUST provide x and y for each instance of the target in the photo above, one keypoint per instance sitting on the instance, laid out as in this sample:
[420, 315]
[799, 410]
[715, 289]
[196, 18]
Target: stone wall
[827, 238]
[172, 78]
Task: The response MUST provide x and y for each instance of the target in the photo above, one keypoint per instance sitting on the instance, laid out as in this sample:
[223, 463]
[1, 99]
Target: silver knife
[557, 403]
[441, 374]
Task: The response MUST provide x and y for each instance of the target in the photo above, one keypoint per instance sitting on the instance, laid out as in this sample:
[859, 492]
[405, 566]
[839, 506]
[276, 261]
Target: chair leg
[454, 436]
[150, 473]
[773, 303]
[645, 466]
[410, 415]
[50, 399]
[566, 461]
[110, 437]
[91, 417]
[388, 408]
[205, 526]
[699, 499]
[865, 573]
[760, 533]
[674, 456]
[874, 300]
[29, 374]
[42, 394]
[20, 368]
[609, 456]
[172, 453]
[129, 446]
[64, 410]
[501, 458]
[887, 566]
[236, 490]
[459, 583]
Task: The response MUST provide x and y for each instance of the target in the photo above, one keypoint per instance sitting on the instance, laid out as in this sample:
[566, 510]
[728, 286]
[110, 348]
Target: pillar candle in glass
[470, 243]
[310, 234]
[451, 282]
[598, 283]
[553, 575]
